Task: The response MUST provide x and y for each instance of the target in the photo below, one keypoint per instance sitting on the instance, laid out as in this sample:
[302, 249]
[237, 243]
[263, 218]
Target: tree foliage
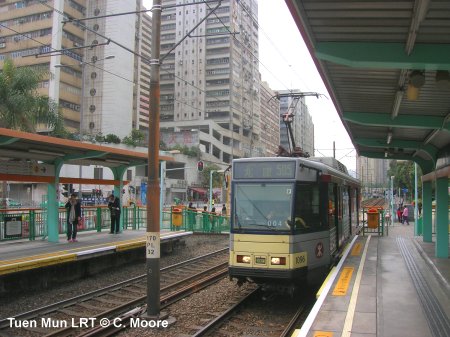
[205, 175]
[403, 173]
[136, 138]
[188, 151]
[21, 107]
[111, 138]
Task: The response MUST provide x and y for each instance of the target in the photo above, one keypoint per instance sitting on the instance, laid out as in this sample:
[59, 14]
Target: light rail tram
[290, 218]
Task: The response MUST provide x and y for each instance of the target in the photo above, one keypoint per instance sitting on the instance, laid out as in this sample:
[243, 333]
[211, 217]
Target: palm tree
[21, 107]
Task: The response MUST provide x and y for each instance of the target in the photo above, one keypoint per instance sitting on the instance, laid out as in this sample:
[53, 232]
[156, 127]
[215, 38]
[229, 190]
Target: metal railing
[32, 223]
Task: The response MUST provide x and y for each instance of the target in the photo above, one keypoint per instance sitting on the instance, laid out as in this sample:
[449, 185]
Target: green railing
[377, 219]
[31, 223]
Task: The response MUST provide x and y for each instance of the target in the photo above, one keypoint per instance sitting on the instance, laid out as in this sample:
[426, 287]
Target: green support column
[442, 218]
[52, 205]
[427, 223]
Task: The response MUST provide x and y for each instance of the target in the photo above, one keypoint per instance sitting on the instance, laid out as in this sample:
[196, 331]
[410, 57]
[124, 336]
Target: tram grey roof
[327, 165]
[330, 161]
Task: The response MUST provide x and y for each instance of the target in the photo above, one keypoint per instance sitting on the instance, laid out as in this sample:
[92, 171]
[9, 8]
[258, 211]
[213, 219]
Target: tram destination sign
[264, 170]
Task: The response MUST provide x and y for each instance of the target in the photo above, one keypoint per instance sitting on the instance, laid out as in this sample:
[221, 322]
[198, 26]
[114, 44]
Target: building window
[98, 171]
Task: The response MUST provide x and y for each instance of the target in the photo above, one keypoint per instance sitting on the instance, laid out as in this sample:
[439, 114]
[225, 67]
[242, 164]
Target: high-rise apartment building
[143, 93]
[110, 90]
[29, 33]
[95, 86]
[302, 125]
[209, 75]
[373, 174]
[270, 121]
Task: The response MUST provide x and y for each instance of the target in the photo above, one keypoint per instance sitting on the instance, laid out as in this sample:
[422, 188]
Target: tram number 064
[274, 223]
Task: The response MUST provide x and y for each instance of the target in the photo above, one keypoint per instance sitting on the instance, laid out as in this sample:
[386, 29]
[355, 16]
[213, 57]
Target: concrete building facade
[373, 175]
[210, 81]
[270, 121]
[29, 33]
[109, 88]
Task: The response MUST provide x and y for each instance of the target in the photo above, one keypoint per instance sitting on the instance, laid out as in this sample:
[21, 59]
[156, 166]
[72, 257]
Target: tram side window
[307, 208]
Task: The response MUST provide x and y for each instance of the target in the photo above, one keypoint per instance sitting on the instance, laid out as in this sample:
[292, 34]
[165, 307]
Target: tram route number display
[152, 246]
[264, 170]
[12, 226]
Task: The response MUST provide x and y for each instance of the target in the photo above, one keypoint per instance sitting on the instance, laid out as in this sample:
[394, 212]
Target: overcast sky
[285, 63]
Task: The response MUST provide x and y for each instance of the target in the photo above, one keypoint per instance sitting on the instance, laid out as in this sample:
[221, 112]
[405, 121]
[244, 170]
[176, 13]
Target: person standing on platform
[224, 210]
[405, 215]
[73, 208]
[205, 217]
[114, 208]
[192, 213]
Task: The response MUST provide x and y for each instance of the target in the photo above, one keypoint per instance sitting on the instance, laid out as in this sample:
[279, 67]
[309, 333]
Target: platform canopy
[17, 145]
[386, 66]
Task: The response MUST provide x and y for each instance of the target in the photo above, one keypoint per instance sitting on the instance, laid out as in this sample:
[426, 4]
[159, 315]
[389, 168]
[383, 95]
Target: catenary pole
[153, 193]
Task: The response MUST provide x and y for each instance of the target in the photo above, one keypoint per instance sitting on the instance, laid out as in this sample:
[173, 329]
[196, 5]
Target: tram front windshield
[262, 206]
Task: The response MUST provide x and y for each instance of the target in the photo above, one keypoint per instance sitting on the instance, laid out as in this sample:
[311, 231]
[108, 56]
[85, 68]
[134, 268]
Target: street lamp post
[210, 185]
[392, 200]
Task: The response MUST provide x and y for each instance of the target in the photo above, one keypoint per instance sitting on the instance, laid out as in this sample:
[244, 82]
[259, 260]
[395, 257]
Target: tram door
[332, 216]
[339, 215]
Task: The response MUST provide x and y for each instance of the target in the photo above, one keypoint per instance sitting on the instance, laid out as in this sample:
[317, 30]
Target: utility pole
[153, 193]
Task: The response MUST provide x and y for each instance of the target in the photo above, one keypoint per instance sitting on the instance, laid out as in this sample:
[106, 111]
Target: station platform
[21, 255]
[385, 286]
[22, 262]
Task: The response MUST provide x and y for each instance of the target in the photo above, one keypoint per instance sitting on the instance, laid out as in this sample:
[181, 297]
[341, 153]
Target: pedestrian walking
[399, 214]
[405, 215]
[114, 208]
[73, 207]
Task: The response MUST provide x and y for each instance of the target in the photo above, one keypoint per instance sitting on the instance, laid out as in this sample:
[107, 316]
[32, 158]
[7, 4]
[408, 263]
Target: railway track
[374, 202]
[245, 317]
[120, 301]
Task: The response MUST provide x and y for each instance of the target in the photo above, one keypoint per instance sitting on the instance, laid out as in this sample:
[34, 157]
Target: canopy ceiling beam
[5, 140]
[410, 121]
[380, 55]
[425, 165]
[401, 144]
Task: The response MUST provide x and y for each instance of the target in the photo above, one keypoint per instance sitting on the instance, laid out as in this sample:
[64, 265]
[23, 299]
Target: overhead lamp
[397, 102]
[389, 137]
[50, 153]
[412, 93]
[417, 78]
[443, 79]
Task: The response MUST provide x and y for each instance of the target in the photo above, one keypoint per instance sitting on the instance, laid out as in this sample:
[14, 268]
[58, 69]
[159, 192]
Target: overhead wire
[144, 58]
[43, 44]
[275, 48]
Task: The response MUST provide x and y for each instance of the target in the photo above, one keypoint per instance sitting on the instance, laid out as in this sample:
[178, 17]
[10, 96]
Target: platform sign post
[153, 192]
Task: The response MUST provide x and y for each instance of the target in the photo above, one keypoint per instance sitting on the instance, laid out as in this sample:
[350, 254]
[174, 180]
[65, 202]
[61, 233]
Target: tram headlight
[243, 259]
[281, 261]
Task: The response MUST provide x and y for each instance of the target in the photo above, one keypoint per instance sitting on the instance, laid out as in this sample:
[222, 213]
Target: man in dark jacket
[73, 207]
[114, 207]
